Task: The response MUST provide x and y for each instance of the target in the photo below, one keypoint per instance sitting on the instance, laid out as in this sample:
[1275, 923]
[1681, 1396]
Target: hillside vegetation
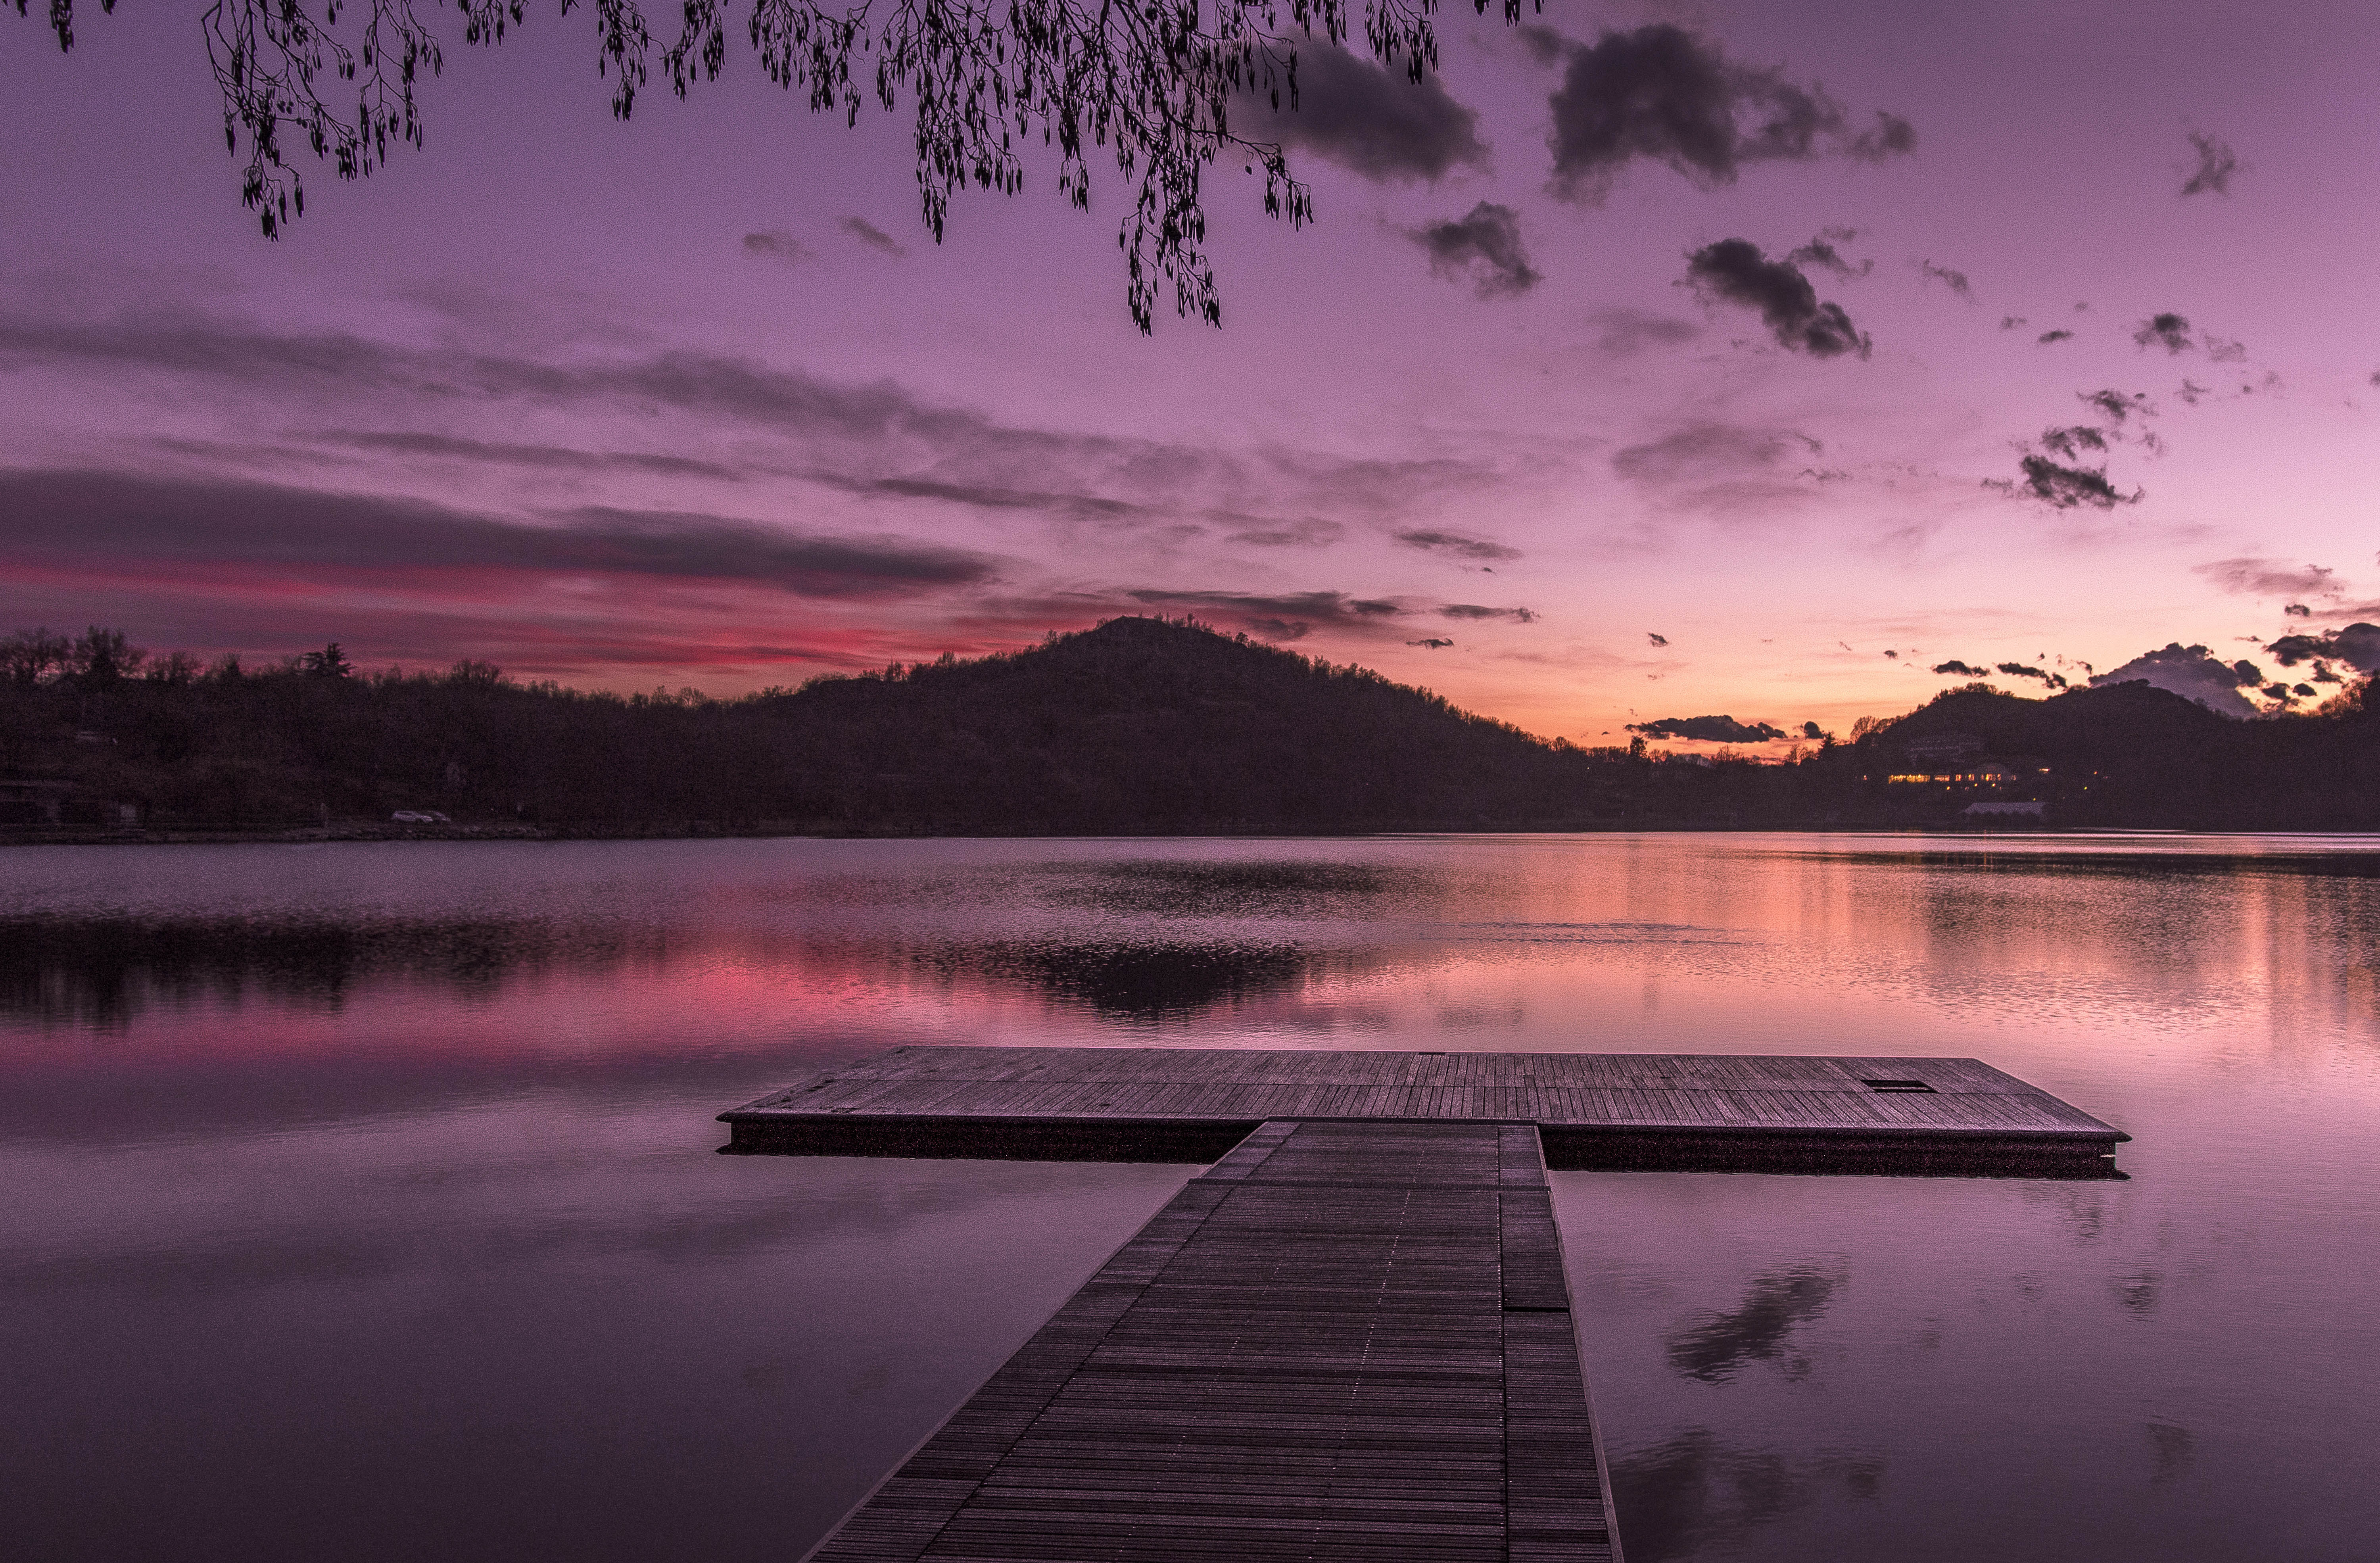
[1138, 726]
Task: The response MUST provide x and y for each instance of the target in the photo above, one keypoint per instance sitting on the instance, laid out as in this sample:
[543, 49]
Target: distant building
[1980, 773]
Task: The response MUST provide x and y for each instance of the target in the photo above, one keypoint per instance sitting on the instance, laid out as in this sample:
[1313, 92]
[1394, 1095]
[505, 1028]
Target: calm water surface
[361, 1201]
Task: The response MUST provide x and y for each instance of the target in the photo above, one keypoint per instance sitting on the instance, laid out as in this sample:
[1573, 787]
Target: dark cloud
[2193, 673]
[543, 456]
[105, 521]
[1735, 270]
[1956, 280]
[2169, 330]
[1821, 252]
[1660, 93]
[2115, 406]
[2019, 670]
[1961, 670]
[2216, 163]
[2358, 645]
[2265, 577]
[2049, 336]
[1291, 616]
[1473, 611]
[2298, 610]
[1656, 640]
[1456, 544]
[1708, 730]
[873, 236]
[1812, 730]
[1430, 642]
[2009, 322]
[2072, 442]
[1627, 332]
[1377, 123]
[1483, 247]
[2065, 487]
[776, 245]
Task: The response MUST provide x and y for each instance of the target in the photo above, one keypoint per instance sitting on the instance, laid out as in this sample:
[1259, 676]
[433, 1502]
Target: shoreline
[297, 835]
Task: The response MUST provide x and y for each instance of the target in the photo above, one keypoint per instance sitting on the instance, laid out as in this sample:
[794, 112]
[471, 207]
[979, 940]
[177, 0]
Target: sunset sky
[696, 399]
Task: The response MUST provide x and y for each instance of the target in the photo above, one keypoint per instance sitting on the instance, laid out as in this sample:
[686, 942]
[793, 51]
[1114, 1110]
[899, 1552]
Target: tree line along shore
[1140, 726]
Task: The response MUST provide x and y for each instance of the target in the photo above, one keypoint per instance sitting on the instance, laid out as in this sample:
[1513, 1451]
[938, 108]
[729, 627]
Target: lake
[362, 1201]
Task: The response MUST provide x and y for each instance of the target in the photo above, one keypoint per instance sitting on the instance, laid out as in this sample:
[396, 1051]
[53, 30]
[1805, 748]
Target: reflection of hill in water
[1140, 980]
[1269, 889]
[103, 973]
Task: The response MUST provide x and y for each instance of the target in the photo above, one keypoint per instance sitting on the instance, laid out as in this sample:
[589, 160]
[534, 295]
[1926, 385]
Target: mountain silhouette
[1139, 726]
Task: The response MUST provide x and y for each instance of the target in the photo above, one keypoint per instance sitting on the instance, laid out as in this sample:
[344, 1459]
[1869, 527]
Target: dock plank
[1346, 1341]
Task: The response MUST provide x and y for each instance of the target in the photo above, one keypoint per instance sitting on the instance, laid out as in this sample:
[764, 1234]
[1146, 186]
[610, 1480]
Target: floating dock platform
[1682, 1112]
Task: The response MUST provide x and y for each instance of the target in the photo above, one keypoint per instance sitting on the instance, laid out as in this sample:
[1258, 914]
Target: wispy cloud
[99, 521]
[776, 245]
[1624, 332]
[2216, 165]
[873, 237]
[1456, 545]
[871, 439]
[1719, 468]
[2269, 578]
[1282, 616]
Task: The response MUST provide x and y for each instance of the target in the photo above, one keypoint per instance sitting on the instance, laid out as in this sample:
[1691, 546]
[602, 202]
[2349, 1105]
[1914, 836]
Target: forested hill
[1149, 725]
[1138, 726]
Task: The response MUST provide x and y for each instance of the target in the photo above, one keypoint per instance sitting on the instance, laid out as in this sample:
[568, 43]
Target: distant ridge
[1139, 726]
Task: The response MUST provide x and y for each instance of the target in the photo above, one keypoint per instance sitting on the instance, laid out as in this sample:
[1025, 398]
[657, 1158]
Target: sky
[1648, 363]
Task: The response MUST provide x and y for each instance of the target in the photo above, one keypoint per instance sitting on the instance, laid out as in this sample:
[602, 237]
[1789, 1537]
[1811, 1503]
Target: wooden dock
[1620, 1110]
[1351, 1338]
[1345, 1342]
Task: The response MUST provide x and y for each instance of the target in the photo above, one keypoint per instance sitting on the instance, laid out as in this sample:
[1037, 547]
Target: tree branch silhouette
[1151, 82]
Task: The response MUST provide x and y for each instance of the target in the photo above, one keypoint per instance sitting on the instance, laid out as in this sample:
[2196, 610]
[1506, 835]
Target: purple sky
[697, 400]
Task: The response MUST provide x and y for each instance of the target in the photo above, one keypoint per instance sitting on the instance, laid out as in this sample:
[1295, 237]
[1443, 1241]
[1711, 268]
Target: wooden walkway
[1343, 1341]
[1591, 1109]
